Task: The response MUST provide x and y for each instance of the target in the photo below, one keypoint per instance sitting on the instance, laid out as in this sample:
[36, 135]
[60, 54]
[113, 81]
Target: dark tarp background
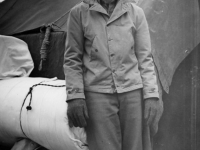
[175, 32]
[179, 127]
[53, 66]
[21, 15]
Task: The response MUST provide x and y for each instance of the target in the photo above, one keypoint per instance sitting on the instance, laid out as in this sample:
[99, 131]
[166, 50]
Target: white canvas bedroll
[15, 58]
[46, 123]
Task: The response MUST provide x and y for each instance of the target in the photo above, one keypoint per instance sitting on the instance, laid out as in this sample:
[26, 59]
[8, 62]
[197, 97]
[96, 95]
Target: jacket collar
[120, 9]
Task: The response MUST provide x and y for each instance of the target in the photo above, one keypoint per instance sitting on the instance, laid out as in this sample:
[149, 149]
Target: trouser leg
[131, 120]
[103, 125]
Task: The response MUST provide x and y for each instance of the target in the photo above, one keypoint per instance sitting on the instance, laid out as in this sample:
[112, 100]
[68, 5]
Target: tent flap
[175, 32]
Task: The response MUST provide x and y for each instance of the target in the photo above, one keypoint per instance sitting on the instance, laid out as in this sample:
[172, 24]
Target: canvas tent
[175, 34]
[25, 18]
[21, 15]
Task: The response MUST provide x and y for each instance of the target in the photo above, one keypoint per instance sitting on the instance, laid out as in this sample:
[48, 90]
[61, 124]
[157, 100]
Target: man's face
[108, 1]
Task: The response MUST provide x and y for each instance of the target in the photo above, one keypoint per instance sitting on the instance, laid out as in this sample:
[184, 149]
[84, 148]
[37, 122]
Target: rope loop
[30, 92]
[45, 46]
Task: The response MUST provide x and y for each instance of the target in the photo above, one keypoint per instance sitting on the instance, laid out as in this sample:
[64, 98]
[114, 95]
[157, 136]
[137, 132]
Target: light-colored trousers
[115, 121]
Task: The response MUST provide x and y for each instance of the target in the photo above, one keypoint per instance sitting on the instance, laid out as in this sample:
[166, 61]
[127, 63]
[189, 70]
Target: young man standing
[110, 73]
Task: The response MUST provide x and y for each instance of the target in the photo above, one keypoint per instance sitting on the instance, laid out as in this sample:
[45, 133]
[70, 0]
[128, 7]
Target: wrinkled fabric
[47, 122]
[108, 55]
[53, 66]
[175, 31]
[15, 58]
[25, 144]
[38, 13]
[109, 126]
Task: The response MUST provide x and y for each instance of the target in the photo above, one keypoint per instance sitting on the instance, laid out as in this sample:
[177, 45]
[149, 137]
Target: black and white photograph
[99, 74]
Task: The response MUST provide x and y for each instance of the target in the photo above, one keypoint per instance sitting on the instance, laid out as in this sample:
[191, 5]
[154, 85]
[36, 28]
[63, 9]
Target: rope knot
[30, 92]
[30, 89]
[29, 107]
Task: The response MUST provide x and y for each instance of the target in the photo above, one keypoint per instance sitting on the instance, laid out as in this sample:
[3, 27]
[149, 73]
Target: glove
[153, 109]
[77, 113]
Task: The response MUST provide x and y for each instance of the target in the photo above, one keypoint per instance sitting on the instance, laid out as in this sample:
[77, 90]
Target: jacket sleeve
[144, 56]
[73, 57]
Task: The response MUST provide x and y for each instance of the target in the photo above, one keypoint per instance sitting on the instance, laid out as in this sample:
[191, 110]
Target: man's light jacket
[108, 54]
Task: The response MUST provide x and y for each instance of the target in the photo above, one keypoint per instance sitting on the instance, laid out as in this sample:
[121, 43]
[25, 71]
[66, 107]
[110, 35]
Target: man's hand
[152, 112]
[77, 113]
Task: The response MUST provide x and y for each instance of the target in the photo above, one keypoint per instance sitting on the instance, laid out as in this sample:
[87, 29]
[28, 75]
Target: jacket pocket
[93, 51]
[93, 55]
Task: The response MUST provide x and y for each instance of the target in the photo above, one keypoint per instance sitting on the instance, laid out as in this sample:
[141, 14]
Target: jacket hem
[111, 90]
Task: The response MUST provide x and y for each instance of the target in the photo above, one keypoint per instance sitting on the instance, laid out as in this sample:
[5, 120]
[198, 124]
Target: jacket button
[152, 90]
[110, 39]
[69, 92]
[96, 50]
[76, 90]
[112, 55]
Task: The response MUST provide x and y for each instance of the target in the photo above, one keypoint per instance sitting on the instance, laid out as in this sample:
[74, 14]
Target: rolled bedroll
[35, 108]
